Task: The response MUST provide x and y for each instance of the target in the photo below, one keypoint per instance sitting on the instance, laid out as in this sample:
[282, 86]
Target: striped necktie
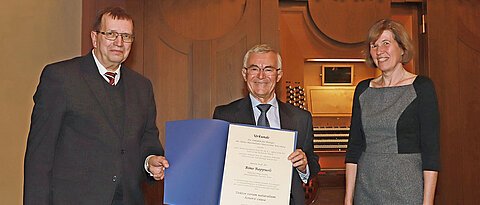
[111, 77]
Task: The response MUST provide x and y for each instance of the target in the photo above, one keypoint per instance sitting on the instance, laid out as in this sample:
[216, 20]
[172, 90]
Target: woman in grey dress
[392, 155]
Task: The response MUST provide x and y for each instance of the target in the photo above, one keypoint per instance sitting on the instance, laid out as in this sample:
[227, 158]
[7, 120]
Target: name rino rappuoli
[258, 169]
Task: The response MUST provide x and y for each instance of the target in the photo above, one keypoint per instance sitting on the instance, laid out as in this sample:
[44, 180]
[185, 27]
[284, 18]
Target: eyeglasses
[112, 35]
[254, 70]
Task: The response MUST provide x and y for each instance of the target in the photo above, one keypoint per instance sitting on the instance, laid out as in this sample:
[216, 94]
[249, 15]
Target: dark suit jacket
[291, 118]
[74, 153]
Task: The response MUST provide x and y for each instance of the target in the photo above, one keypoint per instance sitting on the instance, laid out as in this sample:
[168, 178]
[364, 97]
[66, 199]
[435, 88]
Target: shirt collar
[256, 102]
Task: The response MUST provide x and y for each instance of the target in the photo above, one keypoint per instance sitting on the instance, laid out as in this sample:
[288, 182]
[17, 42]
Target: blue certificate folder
[195, 150]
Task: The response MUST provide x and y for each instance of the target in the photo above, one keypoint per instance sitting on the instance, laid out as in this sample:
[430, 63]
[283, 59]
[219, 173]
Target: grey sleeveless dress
[383, 175]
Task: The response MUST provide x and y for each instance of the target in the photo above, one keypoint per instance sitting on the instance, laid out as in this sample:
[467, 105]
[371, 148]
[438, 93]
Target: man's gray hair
[262, 48]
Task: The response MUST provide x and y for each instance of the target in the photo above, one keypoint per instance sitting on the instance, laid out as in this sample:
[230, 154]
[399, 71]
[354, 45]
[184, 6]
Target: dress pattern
[385, 176]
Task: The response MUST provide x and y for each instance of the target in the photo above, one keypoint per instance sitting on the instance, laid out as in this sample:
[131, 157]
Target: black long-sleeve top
[417, 128]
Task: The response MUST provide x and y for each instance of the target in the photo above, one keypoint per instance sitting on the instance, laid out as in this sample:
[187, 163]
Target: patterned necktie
[262, 119]
[111, 77]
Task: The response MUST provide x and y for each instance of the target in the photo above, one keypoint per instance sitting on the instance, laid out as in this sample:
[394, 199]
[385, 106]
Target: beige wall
[32, 34]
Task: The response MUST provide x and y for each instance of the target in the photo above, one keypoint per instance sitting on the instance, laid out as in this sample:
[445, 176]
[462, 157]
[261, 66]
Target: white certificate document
[257, 169]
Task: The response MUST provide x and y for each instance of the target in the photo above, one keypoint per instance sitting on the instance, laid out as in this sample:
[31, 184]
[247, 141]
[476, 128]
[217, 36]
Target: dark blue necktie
[262, 119]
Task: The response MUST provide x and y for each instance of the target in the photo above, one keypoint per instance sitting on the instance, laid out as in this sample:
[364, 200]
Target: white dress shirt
[102, 70]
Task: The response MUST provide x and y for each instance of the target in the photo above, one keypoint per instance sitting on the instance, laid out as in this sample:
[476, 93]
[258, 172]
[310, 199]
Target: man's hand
[157, 165]
[299, 160]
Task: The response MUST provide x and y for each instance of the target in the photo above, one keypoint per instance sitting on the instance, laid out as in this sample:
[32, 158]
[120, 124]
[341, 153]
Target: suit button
[114, 179]
[122, 151]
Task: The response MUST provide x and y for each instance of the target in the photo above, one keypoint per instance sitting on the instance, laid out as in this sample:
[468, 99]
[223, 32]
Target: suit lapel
[90, 74]
[286, 117]
[244, 112]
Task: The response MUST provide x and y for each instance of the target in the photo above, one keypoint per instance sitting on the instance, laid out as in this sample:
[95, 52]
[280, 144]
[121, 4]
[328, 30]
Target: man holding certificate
[261, 71]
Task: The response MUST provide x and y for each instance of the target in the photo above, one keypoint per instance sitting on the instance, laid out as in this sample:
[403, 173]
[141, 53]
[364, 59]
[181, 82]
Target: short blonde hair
[400, 35]
[262, 48]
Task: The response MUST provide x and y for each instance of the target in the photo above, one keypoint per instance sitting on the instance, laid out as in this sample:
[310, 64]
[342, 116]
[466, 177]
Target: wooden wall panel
[202, 19]
[169, 71]
[201, 73]
[269, 23]
[469, 61]
[444, 72]
[453, 39]
[407, 14]
[228, 79]
[291, 49]
[347, 21]
[135, 60]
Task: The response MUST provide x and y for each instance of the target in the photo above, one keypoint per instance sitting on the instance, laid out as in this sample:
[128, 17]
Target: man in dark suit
[262, 70]
[93, 136]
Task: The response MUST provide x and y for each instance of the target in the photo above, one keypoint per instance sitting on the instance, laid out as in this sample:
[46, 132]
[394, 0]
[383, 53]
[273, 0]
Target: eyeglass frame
[104, 33]
[256, 72]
